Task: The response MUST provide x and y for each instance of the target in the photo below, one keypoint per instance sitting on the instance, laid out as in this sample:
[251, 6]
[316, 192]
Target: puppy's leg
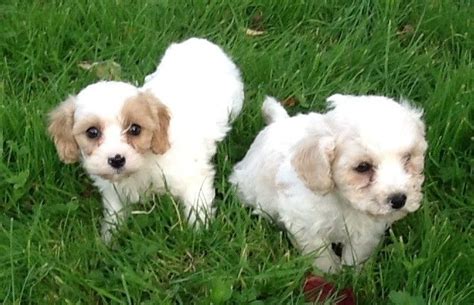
[273, 111]
[324, 260]
[356, 252]
[113, 212]
[198, 198]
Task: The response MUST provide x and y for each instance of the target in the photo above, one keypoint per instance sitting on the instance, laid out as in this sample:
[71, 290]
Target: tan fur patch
[354, 179]
[61, 121]
[153, 117]
[312, 162]
[416, 163]
[86, 144]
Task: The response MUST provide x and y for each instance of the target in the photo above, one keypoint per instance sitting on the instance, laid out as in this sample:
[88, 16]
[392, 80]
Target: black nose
[117, 162]
[397, 201]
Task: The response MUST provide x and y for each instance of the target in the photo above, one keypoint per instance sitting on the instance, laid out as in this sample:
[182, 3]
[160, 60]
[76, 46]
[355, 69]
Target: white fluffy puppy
[136, 141]
[336, 181]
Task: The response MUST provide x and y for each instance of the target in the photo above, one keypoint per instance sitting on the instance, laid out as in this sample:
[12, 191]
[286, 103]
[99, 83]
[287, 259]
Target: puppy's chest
[141, 186]
[357, 226]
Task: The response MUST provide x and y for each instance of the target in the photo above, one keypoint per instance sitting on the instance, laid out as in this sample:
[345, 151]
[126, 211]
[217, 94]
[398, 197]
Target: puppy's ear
[61, 121]
[417, 161]
[159, 141]
[338, 99]
[312, 160]
[416, 114]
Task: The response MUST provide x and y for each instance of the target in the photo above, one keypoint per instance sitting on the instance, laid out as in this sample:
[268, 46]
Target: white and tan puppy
[336, 181]
[136, 141]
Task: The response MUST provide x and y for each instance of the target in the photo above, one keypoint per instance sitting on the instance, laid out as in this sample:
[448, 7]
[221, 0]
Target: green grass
[50, 252]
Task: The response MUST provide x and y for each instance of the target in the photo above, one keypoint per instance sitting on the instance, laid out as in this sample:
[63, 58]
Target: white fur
[358, 128]
[203, 91]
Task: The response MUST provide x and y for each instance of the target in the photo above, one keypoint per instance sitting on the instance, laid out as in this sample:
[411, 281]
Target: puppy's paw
[107, 231]
[198, 202]
[200, 216]
[327, 264]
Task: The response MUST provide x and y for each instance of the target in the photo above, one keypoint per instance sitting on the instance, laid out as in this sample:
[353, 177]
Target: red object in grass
[318, 290]
[347, 297]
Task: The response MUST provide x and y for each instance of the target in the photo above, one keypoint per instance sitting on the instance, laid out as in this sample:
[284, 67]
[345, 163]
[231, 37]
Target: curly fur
[184, 109]
[303, 172]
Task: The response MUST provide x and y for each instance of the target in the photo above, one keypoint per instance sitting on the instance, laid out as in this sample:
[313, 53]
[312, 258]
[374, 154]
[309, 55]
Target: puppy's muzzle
[397, 201]
[117, 162]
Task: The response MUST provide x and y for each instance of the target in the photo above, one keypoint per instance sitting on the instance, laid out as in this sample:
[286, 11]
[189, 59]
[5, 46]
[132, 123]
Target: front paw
[107, 232]
[200, 216]
[327, 264]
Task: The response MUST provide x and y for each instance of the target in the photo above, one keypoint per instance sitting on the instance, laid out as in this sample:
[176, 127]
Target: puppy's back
[255, 176]
[199, 77]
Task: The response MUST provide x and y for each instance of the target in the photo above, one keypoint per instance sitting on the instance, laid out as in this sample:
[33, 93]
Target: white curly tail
[273, 111]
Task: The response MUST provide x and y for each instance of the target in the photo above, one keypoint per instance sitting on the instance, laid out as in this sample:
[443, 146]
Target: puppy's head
[112, 127]
[374, 159]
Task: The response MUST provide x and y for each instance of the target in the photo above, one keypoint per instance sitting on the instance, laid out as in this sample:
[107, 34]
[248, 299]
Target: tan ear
[159, 141]
[312, 160]
[61, 121]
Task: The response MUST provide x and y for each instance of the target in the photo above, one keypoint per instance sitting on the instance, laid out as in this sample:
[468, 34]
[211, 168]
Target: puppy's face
[380, 181]
[377, 159]
[111, 127]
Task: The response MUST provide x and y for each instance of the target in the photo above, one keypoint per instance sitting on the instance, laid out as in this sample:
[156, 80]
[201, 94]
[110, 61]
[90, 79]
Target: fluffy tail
[272, 110]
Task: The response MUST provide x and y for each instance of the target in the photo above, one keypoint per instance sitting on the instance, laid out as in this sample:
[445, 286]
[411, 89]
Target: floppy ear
[416, 113]
[418, 155]
[338, 99]
[159, 141]
[61, 121]
[312, 160]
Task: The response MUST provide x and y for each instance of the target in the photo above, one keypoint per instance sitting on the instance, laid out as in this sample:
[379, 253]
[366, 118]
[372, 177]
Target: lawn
[50, 250]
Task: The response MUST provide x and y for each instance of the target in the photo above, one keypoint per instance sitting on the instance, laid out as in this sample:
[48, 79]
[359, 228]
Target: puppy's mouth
[376, 208]
[384, 209]
[116, 175]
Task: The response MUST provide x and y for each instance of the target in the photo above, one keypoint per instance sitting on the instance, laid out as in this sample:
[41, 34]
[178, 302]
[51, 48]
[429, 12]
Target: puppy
[162, 136]
[336, 181]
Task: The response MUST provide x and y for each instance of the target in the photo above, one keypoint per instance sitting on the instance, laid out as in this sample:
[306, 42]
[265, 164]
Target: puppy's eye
[407, 158]
[135, 129]
[93, 133]
[363, 167]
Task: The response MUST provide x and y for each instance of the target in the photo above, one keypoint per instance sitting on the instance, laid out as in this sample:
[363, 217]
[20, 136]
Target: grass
[50, 252]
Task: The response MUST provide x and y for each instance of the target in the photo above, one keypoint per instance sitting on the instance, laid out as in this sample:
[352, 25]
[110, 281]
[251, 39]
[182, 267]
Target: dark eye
[92, 133]
[135, 130]
[407, 158]
[363, 167]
